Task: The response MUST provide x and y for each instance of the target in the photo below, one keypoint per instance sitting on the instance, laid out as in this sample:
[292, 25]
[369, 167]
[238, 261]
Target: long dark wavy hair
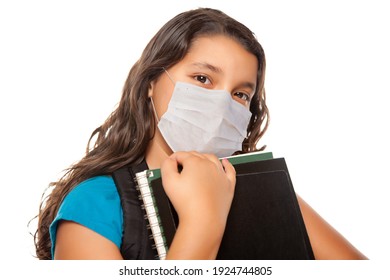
[123, 138]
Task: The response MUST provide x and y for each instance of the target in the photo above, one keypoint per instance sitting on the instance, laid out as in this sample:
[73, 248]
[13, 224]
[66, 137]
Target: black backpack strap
[136, 243]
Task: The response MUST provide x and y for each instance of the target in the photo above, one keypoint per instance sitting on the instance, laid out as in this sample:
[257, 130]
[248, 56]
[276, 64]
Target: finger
[213, 158]
[169, 168]
[229, 170]
[181, 156]
[197, 154]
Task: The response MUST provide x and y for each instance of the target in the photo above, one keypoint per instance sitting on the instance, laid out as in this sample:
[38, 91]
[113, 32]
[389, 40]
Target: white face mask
[203, 120]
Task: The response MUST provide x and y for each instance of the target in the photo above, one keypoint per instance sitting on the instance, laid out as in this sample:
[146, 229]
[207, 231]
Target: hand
[201, 194]
[203, 189]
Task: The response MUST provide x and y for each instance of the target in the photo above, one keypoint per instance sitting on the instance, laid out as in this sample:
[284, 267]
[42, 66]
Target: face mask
[203, 120]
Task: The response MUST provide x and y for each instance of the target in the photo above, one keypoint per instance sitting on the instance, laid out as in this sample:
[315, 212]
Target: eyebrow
[216, 69]
[208, 66]
[249, 85]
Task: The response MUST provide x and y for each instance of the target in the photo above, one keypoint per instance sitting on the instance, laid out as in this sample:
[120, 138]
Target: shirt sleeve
[95, 204]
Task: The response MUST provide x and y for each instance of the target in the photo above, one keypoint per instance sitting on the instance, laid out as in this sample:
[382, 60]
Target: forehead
[224, 53]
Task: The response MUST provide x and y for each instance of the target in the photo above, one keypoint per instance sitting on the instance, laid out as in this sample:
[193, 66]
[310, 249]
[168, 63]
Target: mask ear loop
[154, 109]
[169, 76]
[151, 98]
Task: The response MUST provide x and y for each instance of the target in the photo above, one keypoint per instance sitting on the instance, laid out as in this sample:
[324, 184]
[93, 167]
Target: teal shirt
[95, 204]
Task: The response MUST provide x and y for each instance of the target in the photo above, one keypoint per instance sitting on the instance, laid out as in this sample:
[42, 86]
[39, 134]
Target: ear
[151, 89]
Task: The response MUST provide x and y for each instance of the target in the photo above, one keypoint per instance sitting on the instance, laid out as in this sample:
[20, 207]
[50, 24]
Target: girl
[196, 94]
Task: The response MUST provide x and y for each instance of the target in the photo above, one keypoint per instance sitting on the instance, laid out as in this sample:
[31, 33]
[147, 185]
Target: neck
[157, 151]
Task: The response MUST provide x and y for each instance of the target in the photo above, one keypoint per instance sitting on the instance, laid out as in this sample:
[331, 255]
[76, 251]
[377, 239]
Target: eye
[202, 79]
[242, 97]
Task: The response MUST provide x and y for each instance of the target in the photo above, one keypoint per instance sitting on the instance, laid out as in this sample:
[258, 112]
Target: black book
[264, 222]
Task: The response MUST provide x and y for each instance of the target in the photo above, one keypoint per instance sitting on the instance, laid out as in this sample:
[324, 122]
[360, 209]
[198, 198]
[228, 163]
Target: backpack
[136, 241]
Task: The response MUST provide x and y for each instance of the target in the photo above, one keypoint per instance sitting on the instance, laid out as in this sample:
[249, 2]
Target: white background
[63, 65]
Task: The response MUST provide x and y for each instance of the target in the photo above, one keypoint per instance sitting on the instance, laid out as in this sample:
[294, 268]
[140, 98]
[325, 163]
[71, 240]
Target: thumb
[169, 170]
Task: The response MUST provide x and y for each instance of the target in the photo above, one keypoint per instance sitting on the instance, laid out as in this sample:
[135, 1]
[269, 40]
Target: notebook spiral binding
[146, 195]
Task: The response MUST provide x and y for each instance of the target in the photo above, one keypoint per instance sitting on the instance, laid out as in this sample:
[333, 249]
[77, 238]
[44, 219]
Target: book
[264, 221]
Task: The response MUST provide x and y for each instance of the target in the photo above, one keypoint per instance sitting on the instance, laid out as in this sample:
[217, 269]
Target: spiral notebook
[264, 221]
